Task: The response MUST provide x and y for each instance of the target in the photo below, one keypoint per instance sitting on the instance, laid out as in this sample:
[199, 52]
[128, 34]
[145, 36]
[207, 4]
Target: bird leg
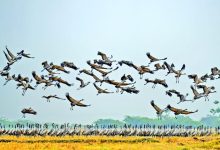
[6, 82]
[122, 91]
[36, 86]
[154, 86]
[141, 76]
[24, 91]
[78, 88]
[206, 98]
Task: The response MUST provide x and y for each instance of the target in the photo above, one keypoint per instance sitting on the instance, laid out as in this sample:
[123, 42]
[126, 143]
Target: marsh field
[108, 143]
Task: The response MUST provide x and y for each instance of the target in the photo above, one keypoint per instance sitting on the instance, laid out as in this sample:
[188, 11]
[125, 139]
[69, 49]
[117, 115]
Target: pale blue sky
[184, 31]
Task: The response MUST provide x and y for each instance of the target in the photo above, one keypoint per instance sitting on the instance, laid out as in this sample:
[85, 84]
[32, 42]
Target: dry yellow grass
[108, 143]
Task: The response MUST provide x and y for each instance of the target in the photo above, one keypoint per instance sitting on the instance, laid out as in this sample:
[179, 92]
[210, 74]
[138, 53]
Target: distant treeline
[212, 121]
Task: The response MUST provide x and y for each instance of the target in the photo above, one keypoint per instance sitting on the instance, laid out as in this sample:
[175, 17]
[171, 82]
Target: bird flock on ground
[36, 129]
[100, 71]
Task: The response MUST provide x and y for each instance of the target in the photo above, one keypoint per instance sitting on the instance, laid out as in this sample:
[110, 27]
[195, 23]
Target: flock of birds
[105, 66]
[110, 130]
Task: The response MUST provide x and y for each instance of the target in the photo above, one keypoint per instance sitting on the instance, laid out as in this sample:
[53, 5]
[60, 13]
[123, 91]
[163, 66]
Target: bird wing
[30, 87]
[151, 57]
[174, 109]
[98, 88]
[7, 57]
[183, 67]
[175, 92]
[104, 57]
[168, 66]
[10, 53]
[192, 76]
[130, 78]
[201, 86]
[36, 77]
[81, 104]
[155, 107]
[79, 79]
[188, 112]
[123, 77]
[195, 92]
[58, 97]
[72, 100]
[169, 93]
[173, 70]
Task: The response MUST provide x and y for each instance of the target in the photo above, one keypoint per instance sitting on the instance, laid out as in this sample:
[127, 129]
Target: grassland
[109, 143]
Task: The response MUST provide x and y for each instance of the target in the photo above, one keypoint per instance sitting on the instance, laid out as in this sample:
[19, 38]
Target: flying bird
[129, 90]
[10, 60]
[215, 72]
[8, 78]
[74, 102]
[13, 57]
[196, 79]
[52, 96]
[25, 86]
[82, 83]
[158, 110]
[28, 111]
[158, 66]
[59, 68]
[153, 59]
[157, 81]
[101, 90]
[197, 95]
[142, 70]
[178, 94]
[180, 111]
[21, 53]
[169, 68]
[117, 84]
[60, 80]
[128, 63]
[69, 65]
[96, 66]
[206, 90]
[179, 73]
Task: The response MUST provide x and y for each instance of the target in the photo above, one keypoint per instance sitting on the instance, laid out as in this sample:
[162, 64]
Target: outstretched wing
[175, 92]
[195, 92]
[104, 57]
[174, 109]
[98, 88]
[55, 96]
[183, 67]
[150, 56]
[79, 79]
[155, 106]
[168, 66]
[188, 112]
[192, 76]
[72, 100]
[201, 86]
[10, 53]
[7, 57]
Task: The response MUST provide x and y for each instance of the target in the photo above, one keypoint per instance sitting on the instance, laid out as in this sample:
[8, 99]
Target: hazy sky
[184, 31]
